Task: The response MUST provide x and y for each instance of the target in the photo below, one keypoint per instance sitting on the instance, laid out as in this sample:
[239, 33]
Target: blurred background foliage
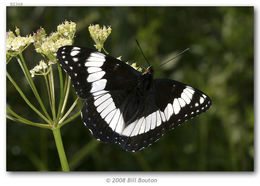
[220, 63]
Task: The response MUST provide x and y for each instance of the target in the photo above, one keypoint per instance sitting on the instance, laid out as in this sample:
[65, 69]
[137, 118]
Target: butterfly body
[123, 105]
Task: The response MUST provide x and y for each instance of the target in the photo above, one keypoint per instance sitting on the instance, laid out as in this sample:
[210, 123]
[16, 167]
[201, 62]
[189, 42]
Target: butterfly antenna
[142, 52]
[175, 56]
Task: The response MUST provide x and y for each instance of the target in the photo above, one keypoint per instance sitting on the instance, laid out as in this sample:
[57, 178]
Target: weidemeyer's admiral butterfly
[123, 105]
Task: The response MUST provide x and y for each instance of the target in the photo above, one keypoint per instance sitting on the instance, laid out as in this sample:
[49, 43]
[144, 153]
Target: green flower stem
[69, 111]
[61, 92]
[8, 59]
[70, 119]
[61, 152]
[52, 93]
[80, 155]
[66, 96]
[27, 122]
[32, 85]
[48, 89]
[105, 51]
[25, 99]
[23, 120]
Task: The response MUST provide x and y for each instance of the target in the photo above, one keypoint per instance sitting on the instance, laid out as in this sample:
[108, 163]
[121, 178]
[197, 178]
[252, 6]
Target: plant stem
[31, 83]
[61, 93]
[61, 152]
[70, 119]
[66, 95]
[44, 126]
[23, 120]
[69, 111]
[48, 90]
[25, 98]
[52, 93]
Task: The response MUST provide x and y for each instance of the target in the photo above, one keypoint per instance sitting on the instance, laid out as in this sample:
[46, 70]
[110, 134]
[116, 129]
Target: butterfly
[123, 105]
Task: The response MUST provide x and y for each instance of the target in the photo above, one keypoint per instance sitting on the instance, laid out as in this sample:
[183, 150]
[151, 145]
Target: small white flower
[15, 44]
[99, 35]
[48, 45]
[51, 63]
[39, 69]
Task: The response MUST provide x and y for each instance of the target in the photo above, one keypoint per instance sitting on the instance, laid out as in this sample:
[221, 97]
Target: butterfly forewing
[90, 71]
[116, 107]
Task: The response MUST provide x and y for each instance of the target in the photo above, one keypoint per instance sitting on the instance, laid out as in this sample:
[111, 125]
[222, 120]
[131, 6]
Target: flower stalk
[47, 47]
[60, 148]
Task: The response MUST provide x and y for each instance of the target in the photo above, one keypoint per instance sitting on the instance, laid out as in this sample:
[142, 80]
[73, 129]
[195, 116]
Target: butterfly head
[145, 81]
[149, 70]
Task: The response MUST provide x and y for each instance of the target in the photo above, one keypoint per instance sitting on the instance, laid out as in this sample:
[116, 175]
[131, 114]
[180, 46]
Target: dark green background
[220, 63]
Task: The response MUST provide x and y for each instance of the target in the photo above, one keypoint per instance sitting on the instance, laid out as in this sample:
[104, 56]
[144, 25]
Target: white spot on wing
[74, 52]
[115, 119]
[166, 112]
[176, 106]
[129, 129]
[182, 102]
[101, 99]
[105, 104]
[148, 123]
[170, 111]
[95, 59]
[93, 69]
[75, 59]
[158, 119]
[97, 54]
[95, 76]
[108, 109]
[98, 85]
[109, 117]
[137, 127]
[201, 100]
[99, 93]
[93, 64]
[162, 116]
[153, 124]
[188, 93]
[196, 104]
[75, 48]
[190, 89]
[185, 98]
[142, 127]
[120, 124]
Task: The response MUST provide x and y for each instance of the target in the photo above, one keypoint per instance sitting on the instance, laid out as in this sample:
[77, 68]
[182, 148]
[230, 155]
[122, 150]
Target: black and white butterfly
[123, 105]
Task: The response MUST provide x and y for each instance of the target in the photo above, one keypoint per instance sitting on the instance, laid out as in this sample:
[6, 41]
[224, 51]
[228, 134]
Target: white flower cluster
[15, 43]
[67, 29]
[41, 69]
[99, 35]
[48, 45]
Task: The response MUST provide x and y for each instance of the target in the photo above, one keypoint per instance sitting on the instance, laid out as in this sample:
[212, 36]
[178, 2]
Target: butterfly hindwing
[171, 104]
[179, 102]
[136, 124]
